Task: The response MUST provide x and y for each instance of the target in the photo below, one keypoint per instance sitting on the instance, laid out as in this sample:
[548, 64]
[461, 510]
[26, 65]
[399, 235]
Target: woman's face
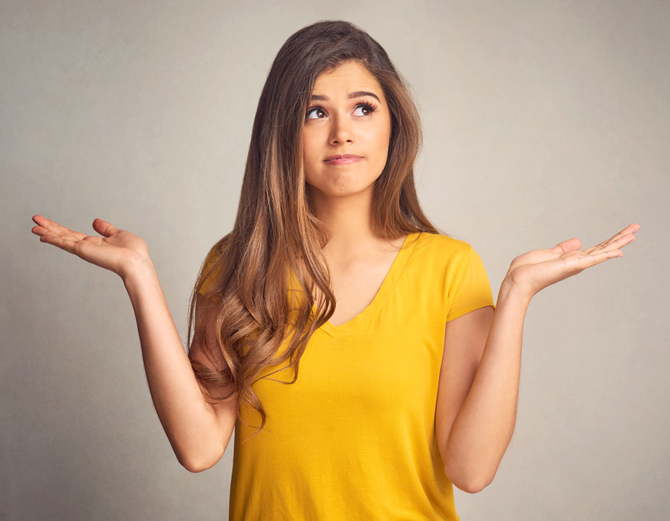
[346, 133]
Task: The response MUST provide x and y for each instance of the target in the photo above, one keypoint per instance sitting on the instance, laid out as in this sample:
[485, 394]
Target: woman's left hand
[537, 269]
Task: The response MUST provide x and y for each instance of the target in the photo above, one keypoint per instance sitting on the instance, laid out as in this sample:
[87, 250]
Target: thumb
[566, 246]
[104, 228]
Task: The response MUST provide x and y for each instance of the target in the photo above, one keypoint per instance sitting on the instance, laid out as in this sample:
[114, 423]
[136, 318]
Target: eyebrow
[357, 94]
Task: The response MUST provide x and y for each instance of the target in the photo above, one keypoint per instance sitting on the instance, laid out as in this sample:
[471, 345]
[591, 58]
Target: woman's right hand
[198, 430]
[117, 250]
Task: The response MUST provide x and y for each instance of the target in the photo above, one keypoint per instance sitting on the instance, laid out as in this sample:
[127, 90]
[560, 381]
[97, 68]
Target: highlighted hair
[275, 245]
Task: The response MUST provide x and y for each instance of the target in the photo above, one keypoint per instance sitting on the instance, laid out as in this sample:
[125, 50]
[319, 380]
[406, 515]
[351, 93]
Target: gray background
[543, 121]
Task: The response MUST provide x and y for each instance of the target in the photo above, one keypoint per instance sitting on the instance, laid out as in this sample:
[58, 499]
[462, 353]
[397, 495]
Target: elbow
[201, 452]
[471, 482]
[196, 466]
[473, 486]
[198, 462]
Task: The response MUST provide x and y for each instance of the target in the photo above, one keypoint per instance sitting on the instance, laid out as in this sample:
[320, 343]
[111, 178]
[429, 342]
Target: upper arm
[464, 341]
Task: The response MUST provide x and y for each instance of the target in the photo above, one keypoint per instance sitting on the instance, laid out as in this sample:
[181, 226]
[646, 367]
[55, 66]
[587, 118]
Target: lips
[345, 159]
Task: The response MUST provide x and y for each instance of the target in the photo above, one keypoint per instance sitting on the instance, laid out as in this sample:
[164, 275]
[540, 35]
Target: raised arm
[479, 381]
[198, 431]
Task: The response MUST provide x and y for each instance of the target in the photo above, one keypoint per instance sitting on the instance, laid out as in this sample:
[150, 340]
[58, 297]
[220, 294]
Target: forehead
[347, 77]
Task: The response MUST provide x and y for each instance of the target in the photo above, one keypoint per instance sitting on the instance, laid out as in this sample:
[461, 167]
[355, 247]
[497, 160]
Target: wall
[543, 121]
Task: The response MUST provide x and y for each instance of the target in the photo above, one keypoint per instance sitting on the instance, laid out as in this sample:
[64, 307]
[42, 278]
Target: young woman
[354, 350]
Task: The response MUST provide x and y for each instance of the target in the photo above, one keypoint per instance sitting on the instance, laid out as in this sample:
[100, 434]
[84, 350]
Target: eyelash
[366, 105]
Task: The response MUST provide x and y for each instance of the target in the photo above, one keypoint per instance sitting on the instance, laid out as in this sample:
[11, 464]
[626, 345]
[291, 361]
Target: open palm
[537, 269]
[115, 250]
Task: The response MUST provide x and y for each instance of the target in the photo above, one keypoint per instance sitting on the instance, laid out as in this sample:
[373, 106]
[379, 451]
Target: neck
[348, 221]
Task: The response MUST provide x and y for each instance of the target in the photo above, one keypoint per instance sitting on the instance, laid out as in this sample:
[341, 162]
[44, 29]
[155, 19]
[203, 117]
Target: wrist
[511, 293]
[137, 269]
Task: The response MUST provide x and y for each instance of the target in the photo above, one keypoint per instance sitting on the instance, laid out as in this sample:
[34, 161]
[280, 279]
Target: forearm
[484, 426]
[190, 422]
[473, 440]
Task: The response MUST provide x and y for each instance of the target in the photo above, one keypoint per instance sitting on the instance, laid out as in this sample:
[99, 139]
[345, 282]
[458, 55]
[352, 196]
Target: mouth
[345, 159]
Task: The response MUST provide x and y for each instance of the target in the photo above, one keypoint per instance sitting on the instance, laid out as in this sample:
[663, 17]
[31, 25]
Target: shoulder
[441, 257]
[215, 253]
[450, 271]
[212, 266]
[442, 248]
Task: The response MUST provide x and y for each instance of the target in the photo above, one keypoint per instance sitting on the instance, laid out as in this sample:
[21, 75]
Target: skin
[339, 123]
[344, 121]
[479, 380]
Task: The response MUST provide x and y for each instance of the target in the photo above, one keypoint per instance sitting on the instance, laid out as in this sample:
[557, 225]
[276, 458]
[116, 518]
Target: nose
[341, 131]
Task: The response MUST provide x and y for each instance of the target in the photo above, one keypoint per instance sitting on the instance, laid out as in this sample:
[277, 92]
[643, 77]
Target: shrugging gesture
[116, 250]
[335, 105]
[537, 269]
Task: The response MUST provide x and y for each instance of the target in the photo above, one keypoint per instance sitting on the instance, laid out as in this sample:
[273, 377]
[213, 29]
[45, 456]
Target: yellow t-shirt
[354, 437]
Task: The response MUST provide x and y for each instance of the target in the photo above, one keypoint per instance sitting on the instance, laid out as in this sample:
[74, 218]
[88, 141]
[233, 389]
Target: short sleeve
[210, 271]
[470, 289]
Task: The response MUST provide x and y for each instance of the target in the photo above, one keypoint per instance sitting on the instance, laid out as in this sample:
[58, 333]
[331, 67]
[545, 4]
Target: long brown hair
[268, 276]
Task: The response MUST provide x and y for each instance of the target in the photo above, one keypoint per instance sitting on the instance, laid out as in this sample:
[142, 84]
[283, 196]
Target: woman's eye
[363, 110]
[315, 113]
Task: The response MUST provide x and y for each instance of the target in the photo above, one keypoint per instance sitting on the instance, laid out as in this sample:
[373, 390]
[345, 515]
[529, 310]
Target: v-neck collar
[382, 295]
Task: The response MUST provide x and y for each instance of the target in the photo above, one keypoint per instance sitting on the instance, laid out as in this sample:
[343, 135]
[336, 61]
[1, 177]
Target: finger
[631, 228]
[628, 230]
[45, 226]
[596, 258]
[62, 242]
[41, 221]
[38, 230]
[46, 223]
[578, 263]
[615, 243]
[567, 246]
[104, 228]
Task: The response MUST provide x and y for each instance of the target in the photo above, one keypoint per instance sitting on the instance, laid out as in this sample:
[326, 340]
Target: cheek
[382, 143]
[309, 148]
[383, 134]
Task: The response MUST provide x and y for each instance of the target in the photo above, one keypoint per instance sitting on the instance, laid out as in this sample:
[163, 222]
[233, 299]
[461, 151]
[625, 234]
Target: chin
[340, 192]
[344, 186]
